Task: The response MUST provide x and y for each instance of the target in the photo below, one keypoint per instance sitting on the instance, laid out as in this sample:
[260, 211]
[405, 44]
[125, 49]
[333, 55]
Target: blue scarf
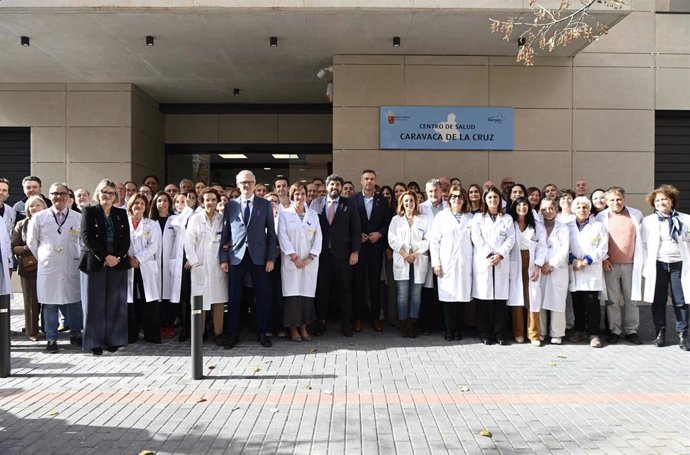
[675, 227]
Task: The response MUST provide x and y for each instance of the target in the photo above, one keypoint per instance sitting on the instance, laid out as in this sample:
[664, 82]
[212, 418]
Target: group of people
[532, 263]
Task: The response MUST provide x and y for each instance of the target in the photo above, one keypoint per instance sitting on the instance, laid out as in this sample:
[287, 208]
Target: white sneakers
[594, 341]
[556, 340]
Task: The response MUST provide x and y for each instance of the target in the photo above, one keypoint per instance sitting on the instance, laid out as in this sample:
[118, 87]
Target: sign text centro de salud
[446, 128]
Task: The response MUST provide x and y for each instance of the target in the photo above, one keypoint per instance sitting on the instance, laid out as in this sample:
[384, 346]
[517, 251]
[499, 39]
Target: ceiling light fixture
[233, 156]
[322, 72]
[273, 41]
[149, 40]
[285, 156]
[26, 41]
[396, 41]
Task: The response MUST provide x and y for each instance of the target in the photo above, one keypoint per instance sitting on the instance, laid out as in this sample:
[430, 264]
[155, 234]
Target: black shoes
[97, 351]
[265, 341]
[502, 342]
[633, 338]
[660, 339]
[448, 336]
[219, 340]
[76, 341]
[487, 341]
[318, 328]
[231, 342]
[612, 338]
[347, 332]
[112, 348]
[51, 347]
[683, 341]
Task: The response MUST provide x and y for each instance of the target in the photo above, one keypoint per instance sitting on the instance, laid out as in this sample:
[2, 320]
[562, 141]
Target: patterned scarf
[675, 227]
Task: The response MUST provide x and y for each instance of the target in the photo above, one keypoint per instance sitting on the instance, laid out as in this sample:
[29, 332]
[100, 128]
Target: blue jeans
[669, 273]
[73, 319]
[409, 297]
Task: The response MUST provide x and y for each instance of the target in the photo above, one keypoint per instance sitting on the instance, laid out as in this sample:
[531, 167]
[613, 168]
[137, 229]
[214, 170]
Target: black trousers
[334, 274]
[186, 301]
[491, 318]
[587, 311]
[368, 281]
[143, 314]
[430, 313]
[453, 313]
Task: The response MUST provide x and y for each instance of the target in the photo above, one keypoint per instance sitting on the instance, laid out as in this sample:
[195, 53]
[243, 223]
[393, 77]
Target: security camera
[322, 72]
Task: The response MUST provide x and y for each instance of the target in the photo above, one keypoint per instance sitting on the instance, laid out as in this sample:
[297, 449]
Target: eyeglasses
[144, 192]
[455, 196]
[246, 182]
[59, 194]
[108, 193]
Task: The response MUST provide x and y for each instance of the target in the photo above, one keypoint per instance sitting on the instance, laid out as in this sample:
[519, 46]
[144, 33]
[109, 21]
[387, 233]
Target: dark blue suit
[368, 268]
[247, 247]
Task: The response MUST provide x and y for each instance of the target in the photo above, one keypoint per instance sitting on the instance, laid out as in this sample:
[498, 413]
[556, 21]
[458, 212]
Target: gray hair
[582, 200]
[615, 189]
[244, 172]
[433, 182]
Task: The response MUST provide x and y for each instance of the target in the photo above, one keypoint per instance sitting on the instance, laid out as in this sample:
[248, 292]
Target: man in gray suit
[248, 243]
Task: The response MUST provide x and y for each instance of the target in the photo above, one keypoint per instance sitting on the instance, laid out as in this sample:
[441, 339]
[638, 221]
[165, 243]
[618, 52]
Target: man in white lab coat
[7, 214]
[53, 237]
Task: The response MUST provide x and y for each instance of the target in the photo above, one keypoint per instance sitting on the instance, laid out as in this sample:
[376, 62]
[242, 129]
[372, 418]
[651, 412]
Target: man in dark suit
[248, 243]
[375, 215]
[342, 240]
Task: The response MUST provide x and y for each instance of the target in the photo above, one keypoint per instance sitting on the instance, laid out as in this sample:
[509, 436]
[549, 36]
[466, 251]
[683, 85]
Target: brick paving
[373, 393]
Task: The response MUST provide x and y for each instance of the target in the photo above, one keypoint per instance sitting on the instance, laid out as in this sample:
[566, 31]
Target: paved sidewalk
[373, 393]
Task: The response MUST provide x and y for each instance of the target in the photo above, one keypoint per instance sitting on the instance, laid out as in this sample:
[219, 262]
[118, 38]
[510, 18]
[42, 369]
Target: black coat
[380, 217]
[345, 234]
[93, 235]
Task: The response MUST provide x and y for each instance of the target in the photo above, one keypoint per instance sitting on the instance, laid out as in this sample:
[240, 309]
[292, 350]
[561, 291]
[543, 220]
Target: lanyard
[59, 229]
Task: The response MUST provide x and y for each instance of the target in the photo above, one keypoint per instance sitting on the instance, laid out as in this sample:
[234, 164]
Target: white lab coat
[491, 237]
[537, 252]
[165, 254]
[650, 241]
[145, 245]
[301, 237]
[400, 233]
[57, 278]
[8, 219]
[450, 245]
[638, 258]
[592, 241]
[202, 243]
[428, 213]
[554, 286]
[5, 263]
[175, 263]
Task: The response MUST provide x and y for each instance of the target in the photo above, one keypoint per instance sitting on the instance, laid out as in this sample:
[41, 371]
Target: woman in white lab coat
[143, 280]
[408, 238]
[299, 235]
[202, 242]
[589, 244]
[666, 241]
[493, 237]
[450, 245]
[180, 280]
[554, 276]
[526, 259]
[161, 211]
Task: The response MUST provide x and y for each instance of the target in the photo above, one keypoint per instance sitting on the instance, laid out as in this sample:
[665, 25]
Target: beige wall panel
[139, 172]
[672, 33]
[634, 33]
[543, 129]
[613, 130]
[613, 88]
[388, 164]
[368, 85]
[88, 175]
[99, 144]
[447, 60]
[99, 109]
[469, 166]
[32, 108]
[50, 173]
[32, 87]
[643, 5]
[532, 168]
[146, 116]
[672, 88]
[356, 128]
[368, 59]
[613, 59]
[48, 144]
[191, 129]
[632, 171]
[148, 152]
[248, 128]
[446, 85]
[531, 87]
[673, 61]
[308, 129]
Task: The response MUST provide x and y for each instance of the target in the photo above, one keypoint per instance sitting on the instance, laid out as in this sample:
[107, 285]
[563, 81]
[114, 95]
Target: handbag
[28, 263]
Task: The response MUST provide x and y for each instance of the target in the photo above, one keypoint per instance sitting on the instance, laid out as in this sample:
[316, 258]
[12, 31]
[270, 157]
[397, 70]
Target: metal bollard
[4, 336]
[197, 337]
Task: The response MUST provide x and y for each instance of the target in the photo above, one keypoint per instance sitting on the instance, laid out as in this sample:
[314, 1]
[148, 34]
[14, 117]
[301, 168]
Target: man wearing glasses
[53, 237]
[248, 243]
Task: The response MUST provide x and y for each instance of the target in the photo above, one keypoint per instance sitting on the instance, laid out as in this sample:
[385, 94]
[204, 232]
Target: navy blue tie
[246, 213]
